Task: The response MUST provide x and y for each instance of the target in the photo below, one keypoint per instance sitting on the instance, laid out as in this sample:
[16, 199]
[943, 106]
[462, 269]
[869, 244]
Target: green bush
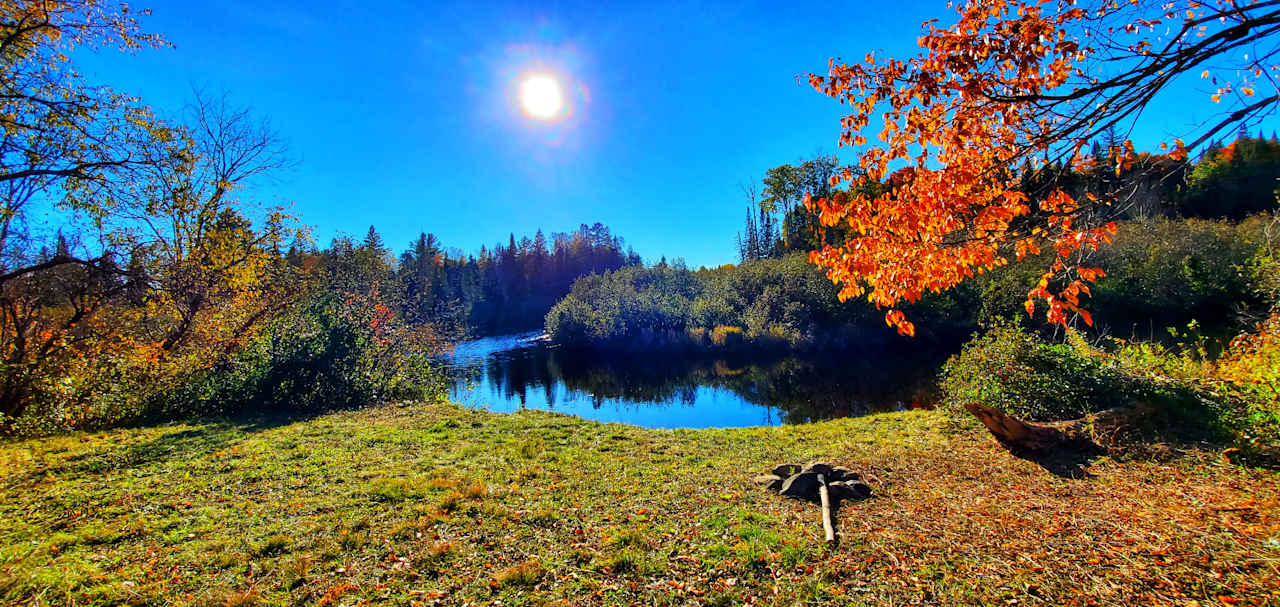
[777, 302]
[333, 352]
[1159, 273]
[1011, 369]
[1174, 271]
[1227, 394]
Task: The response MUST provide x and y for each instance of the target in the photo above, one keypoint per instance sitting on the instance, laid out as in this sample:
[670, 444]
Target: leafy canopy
[1018, 84]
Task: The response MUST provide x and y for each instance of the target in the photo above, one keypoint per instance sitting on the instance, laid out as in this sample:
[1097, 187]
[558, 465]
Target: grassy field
[435, 504]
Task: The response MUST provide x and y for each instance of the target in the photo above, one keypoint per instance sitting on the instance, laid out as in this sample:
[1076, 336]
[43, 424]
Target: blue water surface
[662, 390]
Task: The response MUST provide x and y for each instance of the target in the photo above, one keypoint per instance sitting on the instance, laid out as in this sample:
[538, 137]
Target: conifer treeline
[1231, 181]
[504, 288]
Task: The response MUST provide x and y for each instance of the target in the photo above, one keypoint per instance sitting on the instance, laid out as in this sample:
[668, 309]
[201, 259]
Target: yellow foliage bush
[1252, 362]
[726, 336]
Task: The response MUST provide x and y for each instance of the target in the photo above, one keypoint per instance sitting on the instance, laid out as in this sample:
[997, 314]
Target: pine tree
[373, 241]
[1211, 151]
[767, 234]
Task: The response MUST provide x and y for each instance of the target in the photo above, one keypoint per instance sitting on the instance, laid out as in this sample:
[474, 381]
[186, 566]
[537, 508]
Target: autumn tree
[64, 143]
[1018, 84]
[164, 266]
[60, 134]
[214, 259]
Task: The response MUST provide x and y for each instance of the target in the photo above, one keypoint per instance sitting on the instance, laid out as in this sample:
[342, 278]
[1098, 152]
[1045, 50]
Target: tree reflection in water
[672, 390]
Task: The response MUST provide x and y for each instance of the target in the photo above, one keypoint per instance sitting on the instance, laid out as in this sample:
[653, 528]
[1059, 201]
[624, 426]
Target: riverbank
[440, 504]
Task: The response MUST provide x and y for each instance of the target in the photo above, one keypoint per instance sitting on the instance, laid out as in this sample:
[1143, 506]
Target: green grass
[435, 504]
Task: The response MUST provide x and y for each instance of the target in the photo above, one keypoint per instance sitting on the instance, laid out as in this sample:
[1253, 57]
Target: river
[662, 390]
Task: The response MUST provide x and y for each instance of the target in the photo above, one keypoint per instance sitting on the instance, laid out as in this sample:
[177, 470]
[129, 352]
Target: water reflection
[665, 391]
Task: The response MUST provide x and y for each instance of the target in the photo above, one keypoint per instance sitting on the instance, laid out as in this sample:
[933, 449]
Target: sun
[540, 96]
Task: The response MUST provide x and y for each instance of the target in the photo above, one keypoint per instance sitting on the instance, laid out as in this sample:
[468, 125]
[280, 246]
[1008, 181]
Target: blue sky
[404, 115]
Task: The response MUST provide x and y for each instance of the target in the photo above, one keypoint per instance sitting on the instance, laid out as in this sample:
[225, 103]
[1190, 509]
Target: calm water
[511, 372]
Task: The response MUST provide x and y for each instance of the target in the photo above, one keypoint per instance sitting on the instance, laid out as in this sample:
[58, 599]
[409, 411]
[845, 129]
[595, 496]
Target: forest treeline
[506, 288]
[1229, 181]
[1162, 272]
[296, 328]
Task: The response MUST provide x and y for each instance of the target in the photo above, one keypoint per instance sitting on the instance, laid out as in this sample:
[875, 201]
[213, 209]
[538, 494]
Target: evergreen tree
[373, 241]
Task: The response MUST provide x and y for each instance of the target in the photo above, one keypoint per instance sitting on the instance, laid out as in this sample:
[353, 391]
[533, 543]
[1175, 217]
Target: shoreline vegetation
[762, 306]
[1203, 279]
[424, 503]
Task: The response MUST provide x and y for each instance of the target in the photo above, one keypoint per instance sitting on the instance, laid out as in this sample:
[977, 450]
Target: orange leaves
[1025, 247]
[950, 129]
[897, 319]
[1084, 315]
[1091, 274]
[334, 593]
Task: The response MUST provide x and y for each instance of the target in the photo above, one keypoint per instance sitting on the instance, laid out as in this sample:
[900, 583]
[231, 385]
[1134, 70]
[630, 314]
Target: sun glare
[540, 96]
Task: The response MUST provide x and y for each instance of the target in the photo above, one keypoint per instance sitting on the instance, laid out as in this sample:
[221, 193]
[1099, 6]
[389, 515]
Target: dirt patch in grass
[436, 504]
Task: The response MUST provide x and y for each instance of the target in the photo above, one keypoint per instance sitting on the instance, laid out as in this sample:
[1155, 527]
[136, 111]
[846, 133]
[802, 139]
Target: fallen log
[1099, 430]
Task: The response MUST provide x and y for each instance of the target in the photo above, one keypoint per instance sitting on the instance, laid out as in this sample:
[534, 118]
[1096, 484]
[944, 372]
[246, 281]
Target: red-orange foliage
[1010, 84]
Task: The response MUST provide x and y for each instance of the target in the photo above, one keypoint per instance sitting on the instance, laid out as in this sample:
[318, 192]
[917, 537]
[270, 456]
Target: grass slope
[435, 504]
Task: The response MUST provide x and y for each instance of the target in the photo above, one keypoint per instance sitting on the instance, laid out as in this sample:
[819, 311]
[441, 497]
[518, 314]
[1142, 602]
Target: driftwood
[825, 496]
[1094, 430]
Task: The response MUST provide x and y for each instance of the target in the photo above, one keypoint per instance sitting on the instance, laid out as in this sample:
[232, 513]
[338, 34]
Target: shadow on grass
[212, 435]
[1064, 461]
[837, 506]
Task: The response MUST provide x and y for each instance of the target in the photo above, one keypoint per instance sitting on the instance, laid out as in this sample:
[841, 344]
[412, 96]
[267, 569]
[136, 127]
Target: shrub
[1252, 364]
[90, 391]
[332, 352]
[727, 337]
[1013, 370]
[1175, 271]
[1231, 400]
[1160, 272]
[776, 302]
